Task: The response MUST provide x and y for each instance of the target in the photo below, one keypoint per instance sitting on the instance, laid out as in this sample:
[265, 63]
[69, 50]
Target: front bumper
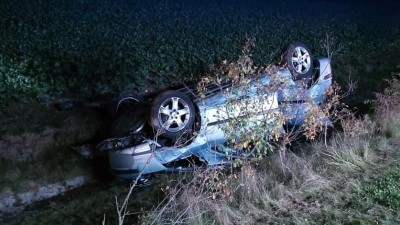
[131, 162]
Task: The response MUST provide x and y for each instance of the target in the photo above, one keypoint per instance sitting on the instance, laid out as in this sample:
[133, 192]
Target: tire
[128, 119]
[172, 114]
[298, 59]
[128, 98]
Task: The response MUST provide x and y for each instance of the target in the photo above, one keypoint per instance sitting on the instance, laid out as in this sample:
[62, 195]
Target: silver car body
[150, 157]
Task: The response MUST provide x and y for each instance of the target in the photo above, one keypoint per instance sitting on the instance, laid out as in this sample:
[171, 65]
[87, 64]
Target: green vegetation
[55, 48]
[383, 190]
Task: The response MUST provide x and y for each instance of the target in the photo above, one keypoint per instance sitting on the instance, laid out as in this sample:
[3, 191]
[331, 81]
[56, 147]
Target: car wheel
[128, 119]
[172, 114]
[298, 58]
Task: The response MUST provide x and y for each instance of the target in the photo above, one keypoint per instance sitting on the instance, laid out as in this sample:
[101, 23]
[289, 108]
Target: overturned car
[161, 132]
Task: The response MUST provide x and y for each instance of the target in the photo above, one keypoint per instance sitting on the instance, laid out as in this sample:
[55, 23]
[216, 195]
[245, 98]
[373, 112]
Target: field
[86, 50]
[52, 49]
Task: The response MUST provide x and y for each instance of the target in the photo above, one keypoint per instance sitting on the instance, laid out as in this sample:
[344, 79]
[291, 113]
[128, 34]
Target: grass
[383, 190]
[315, 187]
[350, 179]
[57, 164]
[50, 49]
[90, 205]
[36, 142]
[36, 118]
[353, 178]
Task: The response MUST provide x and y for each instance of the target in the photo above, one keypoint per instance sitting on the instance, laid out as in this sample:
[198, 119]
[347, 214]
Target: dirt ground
[37, 143]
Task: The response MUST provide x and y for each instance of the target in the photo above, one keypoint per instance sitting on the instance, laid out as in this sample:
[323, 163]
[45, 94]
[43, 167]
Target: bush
[387, 106]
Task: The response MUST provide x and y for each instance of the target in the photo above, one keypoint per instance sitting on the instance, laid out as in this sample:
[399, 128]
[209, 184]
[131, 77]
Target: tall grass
[387, 107]
[346, 179]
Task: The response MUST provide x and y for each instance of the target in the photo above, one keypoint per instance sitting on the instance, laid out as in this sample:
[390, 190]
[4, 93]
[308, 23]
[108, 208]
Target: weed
[384, 190]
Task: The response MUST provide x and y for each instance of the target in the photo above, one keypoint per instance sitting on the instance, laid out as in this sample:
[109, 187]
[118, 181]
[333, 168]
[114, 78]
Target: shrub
[387, 106]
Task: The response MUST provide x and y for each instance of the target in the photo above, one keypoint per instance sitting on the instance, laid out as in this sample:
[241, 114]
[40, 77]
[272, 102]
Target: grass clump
[352, 149]
[387, 106]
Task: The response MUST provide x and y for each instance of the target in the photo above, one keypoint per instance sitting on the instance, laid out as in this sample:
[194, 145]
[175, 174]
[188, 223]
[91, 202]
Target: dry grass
[285, 188]
[315, 184]
[351, 150]
[387, 107]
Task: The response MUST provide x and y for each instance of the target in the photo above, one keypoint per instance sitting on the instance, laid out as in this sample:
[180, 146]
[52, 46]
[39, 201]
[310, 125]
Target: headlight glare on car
[141, 148]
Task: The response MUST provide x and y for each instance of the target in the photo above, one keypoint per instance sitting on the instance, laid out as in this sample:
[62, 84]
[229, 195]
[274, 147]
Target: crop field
[55, 48]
